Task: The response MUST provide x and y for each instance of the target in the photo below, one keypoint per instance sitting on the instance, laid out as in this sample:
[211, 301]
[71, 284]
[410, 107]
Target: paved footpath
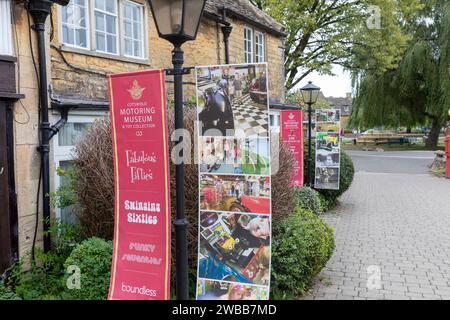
[392, 234]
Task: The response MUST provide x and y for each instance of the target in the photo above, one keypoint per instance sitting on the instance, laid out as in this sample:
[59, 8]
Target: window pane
[137, 49]
[100, 21]
[127, 11]
[81, 2]
[100, 4]
[111, 43]
[69, 134]
[128, 29]
[66, 34]
[68, 215]
[80, 37]
[136, 13]
[100, 41]
[111, 6]
[137, 31]
[128, 47]
[110, 24]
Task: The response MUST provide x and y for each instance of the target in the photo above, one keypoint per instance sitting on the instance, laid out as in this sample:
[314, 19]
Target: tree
[321, 33]
[417, 91]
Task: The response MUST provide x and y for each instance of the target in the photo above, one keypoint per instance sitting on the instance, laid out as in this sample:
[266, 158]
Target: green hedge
[301, 246]
[93, 257]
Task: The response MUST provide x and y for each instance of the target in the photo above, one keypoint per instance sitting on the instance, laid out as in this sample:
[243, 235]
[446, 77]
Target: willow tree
[417, 91]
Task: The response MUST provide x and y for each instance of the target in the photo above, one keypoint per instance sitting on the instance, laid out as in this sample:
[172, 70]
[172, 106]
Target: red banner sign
[292, 136]
[141, 258]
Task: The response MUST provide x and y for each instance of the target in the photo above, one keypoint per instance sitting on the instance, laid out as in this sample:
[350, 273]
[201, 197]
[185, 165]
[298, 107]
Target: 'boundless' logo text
[143, 291]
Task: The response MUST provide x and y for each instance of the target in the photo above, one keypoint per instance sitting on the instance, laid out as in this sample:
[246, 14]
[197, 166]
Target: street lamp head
[310, 93]
[177, 20]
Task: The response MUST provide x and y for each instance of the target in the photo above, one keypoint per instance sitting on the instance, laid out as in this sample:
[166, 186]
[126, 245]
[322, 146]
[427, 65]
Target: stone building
[85, 41]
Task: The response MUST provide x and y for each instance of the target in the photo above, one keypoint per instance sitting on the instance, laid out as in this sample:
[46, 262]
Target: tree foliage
[321, 33]
[417, 91]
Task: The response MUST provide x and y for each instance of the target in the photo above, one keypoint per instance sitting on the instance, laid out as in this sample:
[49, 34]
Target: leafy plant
[93, 257]
[308, 199]
[6, 293]
[302, 244]
[42, 278]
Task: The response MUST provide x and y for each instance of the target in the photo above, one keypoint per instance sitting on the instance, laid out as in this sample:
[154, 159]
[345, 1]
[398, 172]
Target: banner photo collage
[234, 255]
[328, 149]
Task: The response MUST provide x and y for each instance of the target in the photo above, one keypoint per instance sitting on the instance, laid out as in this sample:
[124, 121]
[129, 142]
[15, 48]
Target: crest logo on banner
[328, 149]
[234, 257]
[141, 251]
[136, 91]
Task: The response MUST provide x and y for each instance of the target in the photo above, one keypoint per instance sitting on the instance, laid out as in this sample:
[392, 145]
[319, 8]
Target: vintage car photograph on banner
[233, 100]
[236, 193]
[234, 255]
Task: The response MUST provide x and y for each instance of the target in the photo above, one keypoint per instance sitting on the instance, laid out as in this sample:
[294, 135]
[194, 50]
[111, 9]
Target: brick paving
[392, 236]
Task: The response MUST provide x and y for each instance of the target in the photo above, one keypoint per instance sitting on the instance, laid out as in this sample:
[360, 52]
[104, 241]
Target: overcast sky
[332, 86]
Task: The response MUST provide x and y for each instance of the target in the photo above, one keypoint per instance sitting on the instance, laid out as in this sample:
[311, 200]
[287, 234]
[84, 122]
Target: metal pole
[180, 222]
[310, 176]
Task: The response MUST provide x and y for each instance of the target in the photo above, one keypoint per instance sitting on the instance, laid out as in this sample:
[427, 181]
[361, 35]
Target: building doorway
[8, 205]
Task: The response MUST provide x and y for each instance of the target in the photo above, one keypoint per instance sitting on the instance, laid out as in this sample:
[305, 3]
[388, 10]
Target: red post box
[447, 153]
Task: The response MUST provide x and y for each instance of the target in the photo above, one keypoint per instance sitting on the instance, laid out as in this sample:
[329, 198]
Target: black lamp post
[178, 21]
[310, 93]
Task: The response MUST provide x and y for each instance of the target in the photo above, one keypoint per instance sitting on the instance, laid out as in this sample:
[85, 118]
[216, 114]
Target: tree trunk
[433, 136]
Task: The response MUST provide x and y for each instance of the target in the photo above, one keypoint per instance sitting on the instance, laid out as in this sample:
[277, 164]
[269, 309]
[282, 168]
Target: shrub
[42, 279]
[6, 293]
[302, 244]
[308, 199]
[93, 257]
[94, 171]
[347, 172]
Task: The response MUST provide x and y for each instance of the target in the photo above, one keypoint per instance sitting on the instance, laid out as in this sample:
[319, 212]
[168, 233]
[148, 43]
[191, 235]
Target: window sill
[87, 52]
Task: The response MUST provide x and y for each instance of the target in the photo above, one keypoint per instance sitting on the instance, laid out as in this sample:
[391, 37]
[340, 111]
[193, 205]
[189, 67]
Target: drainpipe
[226, 30]
[40, 10]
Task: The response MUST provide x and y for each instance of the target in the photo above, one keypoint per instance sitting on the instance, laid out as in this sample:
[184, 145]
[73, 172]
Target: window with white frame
[248, 45]
[74, 24]
[259, 47]
[133, 29]
[105, 12]
[6, 44]
[254, 46]
[114, 27]
[63, 153]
